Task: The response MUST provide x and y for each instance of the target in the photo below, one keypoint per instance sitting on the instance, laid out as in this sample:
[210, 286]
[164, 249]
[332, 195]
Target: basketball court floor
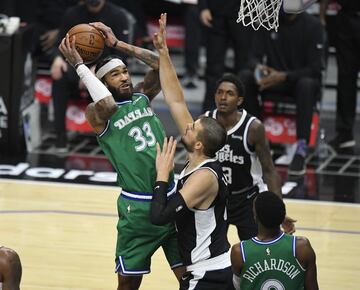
[59, 212]
[65, 235]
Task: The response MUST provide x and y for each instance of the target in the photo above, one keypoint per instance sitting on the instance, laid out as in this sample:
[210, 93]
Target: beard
[121, 96]
[188, 147]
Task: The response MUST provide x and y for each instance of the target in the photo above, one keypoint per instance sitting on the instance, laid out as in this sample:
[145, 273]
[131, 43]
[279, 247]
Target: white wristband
[96, 88]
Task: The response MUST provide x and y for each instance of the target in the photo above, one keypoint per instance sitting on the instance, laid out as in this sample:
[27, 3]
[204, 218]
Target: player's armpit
[151, 84]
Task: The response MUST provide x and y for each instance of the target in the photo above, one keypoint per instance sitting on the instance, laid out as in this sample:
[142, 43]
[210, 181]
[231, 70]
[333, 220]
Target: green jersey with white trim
[271, 265]
[129, 141]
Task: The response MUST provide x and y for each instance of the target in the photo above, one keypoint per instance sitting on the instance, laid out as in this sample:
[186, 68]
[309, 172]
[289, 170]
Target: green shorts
[138, 238]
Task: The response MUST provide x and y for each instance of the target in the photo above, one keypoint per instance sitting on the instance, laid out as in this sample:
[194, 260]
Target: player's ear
[106, 85]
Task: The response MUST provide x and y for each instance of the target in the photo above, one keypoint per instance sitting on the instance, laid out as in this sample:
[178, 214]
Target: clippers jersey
[238, 159]
[271, 265]
[129, 141]
[202, 232]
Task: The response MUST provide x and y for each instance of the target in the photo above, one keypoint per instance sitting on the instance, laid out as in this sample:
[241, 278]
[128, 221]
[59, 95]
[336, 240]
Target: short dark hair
[213, 136]
[231, 78]
[270, 209]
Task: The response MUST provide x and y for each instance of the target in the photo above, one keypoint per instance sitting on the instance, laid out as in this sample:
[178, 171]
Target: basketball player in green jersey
[273, 259]
[127, 130]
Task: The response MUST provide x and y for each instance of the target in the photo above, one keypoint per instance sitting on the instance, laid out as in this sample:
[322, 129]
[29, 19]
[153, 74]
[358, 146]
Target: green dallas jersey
[129, 141]
[271, 265]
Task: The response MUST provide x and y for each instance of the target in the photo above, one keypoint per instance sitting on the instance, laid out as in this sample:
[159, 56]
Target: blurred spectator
[10, 269]
[137, 9]
[288, 63]
[66, 81]
[49, 18]
[192, 42]
[347, 43]
[222, 30]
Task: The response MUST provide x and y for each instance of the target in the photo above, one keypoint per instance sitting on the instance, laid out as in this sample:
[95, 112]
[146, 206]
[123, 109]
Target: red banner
[282, 128]
[43, 84]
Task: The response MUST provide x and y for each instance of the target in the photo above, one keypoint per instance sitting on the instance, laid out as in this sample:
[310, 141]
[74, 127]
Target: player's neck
[265, 235]
[195, 159]
[228, 120]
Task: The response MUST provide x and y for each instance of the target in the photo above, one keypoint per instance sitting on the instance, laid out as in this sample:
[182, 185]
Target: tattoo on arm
[98, 113]
[105, 108]
[145, 55]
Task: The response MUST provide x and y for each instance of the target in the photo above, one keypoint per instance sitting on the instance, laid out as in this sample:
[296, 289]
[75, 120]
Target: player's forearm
[163, 211]
[272, 180]
[143, 54]
[169, 81]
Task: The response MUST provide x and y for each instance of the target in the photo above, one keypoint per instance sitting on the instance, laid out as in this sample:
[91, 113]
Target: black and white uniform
[243, 171]
[202, 238]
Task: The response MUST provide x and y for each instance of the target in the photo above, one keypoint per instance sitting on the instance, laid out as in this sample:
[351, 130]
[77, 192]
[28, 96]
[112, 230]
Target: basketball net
[265, 13]
[260, 13]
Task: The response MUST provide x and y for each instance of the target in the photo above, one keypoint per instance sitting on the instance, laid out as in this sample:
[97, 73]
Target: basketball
[89, 42]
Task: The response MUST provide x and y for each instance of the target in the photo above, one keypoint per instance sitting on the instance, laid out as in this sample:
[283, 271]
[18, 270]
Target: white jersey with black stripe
[202, 232]
[238, 159]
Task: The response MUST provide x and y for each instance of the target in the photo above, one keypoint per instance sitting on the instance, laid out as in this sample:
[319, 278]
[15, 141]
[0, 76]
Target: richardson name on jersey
[270, 265]
[24, 169]
[132, 116]
[226, 154]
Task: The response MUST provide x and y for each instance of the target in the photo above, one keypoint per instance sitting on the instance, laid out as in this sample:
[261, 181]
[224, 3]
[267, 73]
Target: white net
[260, 13]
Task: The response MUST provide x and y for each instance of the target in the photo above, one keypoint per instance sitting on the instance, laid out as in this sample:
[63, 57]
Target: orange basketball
[89, 42]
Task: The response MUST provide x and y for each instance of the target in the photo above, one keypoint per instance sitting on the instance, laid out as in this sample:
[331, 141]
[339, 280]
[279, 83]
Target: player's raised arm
[104, 104]
[170, 84]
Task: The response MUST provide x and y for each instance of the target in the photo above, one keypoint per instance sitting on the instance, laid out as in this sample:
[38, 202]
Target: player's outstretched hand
[159, 39]
[165, 159]
[288, 225]
[110, 38]
[69, 51]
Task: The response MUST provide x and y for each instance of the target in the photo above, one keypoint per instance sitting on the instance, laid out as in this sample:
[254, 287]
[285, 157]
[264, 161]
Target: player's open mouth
[124, 86]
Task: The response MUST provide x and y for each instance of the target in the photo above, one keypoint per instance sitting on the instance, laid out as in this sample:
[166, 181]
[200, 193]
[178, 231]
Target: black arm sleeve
[162, 210]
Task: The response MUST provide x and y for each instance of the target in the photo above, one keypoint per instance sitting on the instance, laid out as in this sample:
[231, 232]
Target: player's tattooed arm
[98, 113]
[143, 54]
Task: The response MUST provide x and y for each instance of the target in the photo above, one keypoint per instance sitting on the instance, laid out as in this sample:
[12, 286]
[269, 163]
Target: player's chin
[222, 109]
[125, 90]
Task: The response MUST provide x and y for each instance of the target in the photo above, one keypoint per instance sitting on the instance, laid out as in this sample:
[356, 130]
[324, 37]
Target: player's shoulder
[302, 241]
[236, 257]
[235, 250]
[256, 124]
[139, 96]
[304, 250]
[8, 255]
[256, 130]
